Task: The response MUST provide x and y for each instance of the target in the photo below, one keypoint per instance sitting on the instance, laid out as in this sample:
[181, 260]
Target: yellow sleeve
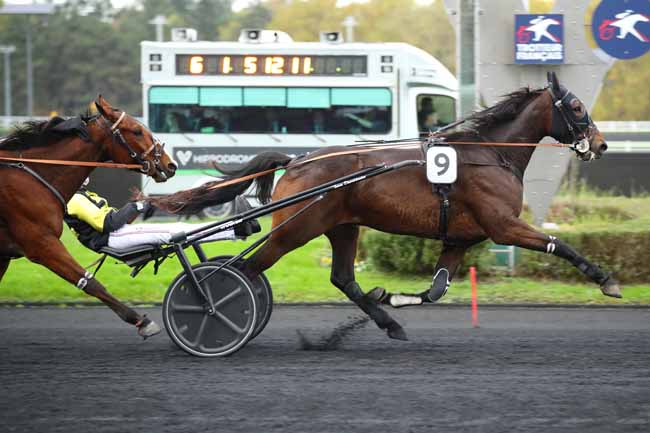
[80, 207]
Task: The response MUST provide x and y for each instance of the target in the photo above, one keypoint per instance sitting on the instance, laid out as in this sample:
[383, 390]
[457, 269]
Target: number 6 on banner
[442, 164]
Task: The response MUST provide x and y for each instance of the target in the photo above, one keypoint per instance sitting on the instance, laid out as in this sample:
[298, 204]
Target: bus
[225, 102]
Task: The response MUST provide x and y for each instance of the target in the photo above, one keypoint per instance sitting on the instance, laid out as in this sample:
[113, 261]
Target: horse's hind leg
[517, 232]
[344, 249]
[51, 253]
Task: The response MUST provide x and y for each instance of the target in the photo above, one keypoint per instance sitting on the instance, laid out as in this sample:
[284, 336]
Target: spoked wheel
[215, 328]
[262, 288]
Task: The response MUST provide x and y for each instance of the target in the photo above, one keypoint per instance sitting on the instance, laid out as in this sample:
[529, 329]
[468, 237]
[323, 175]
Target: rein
[406, 144]
[72, 163]
[114, 130]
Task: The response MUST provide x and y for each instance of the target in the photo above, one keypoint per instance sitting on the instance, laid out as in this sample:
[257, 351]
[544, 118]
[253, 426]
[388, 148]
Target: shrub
[623, 253]
[412, 255]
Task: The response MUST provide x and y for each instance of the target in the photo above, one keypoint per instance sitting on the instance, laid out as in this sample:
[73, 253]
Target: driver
[97, 225]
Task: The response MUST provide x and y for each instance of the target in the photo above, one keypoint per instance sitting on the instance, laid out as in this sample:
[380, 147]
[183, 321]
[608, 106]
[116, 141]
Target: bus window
[434, 112]
[271, 110]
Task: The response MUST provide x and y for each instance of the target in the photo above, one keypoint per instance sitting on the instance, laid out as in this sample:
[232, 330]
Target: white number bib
[442, 164]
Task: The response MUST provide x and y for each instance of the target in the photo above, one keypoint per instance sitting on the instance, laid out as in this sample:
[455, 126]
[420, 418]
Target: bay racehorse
[486, 200]
[33, 196]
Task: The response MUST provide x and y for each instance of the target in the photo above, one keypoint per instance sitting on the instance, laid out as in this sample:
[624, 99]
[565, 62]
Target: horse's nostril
[603, 147]
[172, 167]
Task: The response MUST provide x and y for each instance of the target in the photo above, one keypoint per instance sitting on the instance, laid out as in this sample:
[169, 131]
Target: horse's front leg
[517, 232]
[448, 263]
[51, 253]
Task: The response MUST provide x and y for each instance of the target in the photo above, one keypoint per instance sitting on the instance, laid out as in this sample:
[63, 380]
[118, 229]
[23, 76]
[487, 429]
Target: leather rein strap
[371, 148]
[72, 163]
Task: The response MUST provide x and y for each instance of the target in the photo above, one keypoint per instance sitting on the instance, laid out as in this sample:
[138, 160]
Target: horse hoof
[611, 288]
[396, 332]
[439, 285]
[378, 294]
[148, 328]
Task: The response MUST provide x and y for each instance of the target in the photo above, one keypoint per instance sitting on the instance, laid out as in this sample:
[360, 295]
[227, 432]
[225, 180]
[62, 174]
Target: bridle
[580, 131]
[157, 147]
[142, 164]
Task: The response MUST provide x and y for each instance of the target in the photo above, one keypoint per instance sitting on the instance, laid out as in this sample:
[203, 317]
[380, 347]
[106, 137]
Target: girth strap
[38, 177]
[443, 224]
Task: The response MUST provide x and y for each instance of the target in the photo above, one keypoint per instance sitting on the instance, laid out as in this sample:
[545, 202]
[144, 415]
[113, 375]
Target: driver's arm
[100, 216]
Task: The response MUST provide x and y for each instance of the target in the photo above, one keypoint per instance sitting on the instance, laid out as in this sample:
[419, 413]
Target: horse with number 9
[486, 199]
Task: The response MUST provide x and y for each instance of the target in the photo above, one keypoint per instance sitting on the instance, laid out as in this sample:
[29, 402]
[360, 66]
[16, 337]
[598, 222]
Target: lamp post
[349, 23]
[7, 50]
[159, 22]
[28, 9]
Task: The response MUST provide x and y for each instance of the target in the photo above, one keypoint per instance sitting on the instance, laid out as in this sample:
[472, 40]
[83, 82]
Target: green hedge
[412, 255]
[624, 253]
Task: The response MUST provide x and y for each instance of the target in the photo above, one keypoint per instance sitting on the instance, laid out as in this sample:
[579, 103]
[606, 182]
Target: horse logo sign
[622, 29]
[539, 39]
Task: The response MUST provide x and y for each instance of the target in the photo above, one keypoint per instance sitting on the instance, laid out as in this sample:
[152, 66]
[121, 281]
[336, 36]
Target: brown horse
[486, 200]
[33, 196]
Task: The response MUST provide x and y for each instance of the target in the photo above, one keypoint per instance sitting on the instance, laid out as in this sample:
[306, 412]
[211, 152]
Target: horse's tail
[193, 200]
[262, 162]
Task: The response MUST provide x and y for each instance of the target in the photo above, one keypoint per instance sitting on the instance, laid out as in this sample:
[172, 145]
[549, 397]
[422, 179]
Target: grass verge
[301, 276]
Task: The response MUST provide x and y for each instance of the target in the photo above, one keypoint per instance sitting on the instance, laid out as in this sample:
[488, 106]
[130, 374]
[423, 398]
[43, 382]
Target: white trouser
[132, 235]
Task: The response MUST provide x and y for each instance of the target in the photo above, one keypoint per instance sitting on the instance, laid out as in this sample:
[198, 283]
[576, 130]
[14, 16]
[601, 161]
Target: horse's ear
[555, 82]
[102, 106]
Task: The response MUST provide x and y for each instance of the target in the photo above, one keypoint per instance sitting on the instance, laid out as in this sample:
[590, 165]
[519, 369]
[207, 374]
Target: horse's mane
[35, 133]
[509, 107]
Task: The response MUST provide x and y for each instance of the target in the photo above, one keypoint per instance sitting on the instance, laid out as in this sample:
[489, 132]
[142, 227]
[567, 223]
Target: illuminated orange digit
[274, 65]
[307, 65]
[226, 69]
[268, 65]
[278, 65]
[250, 65]
[295, 65]
[196, 65]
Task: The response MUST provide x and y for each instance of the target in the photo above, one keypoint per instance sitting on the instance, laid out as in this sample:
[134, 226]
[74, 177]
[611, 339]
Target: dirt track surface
[546, 370]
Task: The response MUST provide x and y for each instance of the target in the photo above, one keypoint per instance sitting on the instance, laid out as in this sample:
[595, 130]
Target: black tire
[264, 292]
[193, 329]
[219, 211]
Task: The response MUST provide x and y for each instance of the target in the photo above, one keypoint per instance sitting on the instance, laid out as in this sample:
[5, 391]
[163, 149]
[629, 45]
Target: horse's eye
[138, 132]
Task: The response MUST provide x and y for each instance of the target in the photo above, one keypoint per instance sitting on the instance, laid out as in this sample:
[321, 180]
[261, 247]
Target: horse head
[133, 142]
[572, 124]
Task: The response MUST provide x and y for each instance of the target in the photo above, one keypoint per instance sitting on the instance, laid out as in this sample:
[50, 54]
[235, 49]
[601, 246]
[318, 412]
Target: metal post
[349, 23]
[465, 57]
[30, 77]
[27, 10]
[7, 50]
[159, 22]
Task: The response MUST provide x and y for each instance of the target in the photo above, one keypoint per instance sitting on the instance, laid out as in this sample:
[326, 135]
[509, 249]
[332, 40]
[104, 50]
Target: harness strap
[38, 177]
[443, 223]
[72, 163]
[117, 122]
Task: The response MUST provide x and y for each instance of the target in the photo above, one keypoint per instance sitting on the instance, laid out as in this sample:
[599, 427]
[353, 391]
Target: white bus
[228, 101]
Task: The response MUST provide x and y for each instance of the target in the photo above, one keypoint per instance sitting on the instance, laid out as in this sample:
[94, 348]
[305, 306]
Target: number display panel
[271, 65]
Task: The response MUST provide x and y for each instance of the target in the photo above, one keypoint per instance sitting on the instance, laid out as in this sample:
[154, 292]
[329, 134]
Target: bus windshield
[270, 110]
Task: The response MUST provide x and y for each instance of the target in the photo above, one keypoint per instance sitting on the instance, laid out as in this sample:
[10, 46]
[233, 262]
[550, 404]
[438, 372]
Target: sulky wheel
[262, 289]
[216, 328]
